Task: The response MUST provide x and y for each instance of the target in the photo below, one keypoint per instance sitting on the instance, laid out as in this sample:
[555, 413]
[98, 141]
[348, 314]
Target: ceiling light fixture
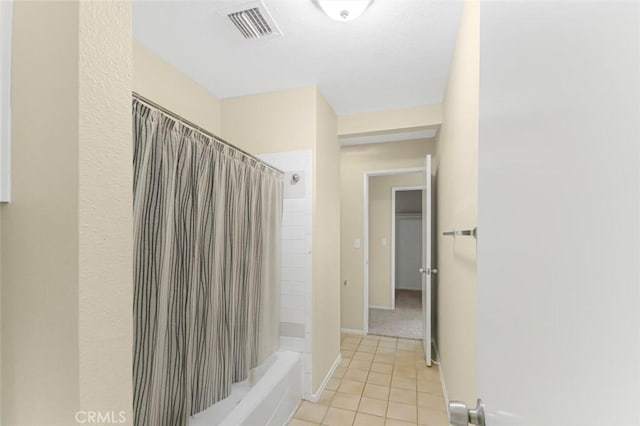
[344, 10]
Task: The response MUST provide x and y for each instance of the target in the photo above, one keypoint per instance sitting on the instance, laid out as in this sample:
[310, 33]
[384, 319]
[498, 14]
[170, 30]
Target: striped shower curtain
[206, 264]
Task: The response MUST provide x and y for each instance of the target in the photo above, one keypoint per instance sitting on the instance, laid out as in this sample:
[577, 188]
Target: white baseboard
[314, 397]
[386, 308]
[442, 382]
[352, 331]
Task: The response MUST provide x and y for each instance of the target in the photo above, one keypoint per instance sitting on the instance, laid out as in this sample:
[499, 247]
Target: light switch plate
[356, 243]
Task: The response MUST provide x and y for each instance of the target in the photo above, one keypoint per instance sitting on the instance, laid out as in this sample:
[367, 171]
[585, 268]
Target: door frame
[365, 235]
[394, 190]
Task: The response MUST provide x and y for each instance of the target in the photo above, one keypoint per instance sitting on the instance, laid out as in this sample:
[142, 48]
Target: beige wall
[292, 120]
[457, 171]
[67, 239]
[354, 162]
[379, 228]
[264, 123]
[105, 218]
[162, 83]
[40, 238]
[326, 243]
[271, 122]
[402, 119]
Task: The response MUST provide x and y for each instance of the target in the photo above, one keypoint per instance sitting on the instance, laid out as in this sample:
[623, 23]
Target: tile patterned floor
[381, 381]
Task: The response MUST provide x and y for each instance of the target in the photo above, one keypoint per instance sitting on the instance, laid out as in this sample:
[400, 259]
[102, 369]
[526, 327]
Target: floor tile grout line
[402, 368]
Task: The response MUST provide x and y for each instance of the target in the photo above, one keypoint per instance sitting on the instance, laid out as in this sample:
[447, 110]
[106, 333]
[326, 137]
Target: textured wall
[66, 249]
[105, 202]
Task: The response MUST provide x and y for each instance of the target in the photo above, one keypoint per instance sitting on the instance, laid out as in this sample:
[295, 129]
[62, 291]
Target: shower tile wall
[295, 287]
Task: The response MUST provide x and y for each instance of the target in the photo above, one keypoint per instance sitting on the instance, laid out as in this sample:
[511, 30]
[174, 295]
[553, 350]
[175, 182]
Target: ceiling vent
[253, 20]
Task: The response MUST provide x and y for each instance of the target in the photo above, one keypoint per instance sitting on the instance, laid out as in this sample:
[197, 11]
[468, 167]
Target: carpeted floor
[405, 321]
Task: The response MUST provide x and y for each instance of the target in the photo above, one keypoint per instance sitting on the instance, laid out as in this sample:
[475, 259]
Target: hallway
[380, 381]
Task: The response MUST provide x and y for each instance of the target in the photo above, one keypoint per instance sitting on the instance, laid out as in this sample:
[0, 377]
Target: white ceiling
[397, 54]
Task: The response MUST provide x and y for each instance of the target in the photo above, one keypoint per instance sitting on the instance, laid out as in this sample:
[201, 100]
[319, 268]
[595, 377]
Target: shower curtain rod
[194, 126]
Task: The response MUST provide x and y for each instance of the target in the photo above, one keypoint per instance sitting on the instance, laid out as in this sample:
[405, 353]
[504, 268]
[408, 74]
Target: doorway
[393, 251]
[405, 318]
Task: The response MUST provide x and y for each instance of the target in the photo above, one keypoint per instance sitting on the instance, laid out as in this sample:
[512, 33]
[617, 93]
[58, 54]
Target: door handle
[461, 415]
[428, 271]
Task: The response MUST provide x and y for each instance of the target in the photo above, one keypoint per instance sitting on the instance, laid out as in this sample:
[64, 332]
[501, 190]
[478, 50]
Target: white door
[558, 296]
[426, 269]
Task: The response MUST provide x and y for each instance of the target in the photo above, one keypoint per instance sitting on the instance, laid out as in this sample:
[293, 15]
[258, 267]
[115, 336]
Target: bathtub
[268, 397]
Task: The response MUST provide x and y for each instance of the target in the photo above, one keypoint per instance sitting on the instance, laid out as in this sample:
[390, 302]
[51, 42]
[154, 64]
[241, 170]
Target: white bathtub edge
[292, 413]
[286, 363]
[314, 397]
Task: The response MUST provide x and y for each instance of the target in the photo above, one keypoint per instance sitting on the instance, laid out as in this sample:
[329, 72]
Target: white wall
[559, 213]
